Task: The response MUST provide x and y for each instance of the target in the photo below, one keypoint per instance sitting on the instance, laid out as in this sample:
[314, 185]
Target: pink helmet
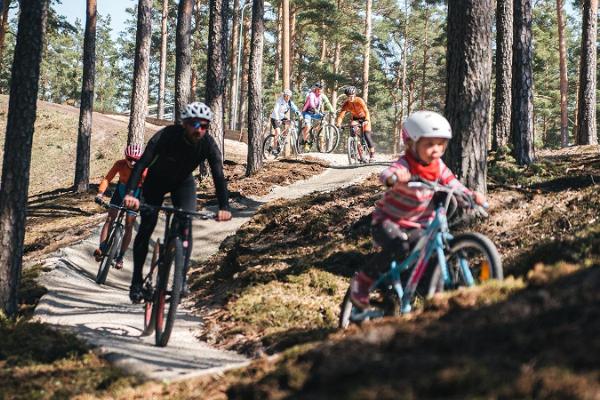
[133, 151]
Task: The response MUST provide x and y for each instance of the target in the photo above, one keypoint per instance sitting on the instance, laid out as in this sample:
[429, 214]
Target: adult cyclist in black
[171, 156]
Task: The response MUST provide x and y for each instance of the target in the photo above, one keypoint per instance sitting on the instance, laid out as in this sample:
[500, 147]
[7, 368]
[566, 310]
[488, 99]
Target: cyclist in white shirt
[278, 117]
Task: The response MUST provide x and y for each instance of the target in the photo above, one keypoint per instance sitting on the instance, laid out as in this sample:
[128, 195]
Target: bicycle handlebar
[173, 210]
[106, 206]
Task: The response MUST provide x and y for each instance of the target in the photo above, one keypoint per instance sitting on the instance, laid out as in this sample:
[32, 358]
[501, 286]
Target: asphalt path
[103, 316]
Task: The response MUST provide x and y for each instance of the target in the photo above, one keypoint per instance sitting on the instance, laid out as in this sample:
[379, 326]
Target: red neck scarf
[430, 172]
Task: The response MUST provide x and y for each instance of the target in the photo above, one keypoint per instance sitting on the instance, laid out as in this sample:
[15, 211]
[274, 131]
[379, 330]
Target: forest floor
[274, 289]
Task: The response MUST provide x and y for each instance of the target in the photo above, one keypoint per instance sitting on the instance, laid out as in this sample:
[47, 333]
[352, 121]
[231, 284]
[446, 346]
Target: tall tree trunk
[337, 57]
[293, 45]
[367, 51]
[82, 162]
[233, 83]
[285, 48]
[215, 76]
[243, 95]
[323, 47]
[504, 54]
[163, 60]
[425, 51]
[3, 28]
[278, 48]
[564, 83]
[522, 86]
[468, 94]
[575, 122]
[17, 148]
[255, 106]
[197, 48]
[183, 56]
[139, 95]
[586, 114]
[404, 63]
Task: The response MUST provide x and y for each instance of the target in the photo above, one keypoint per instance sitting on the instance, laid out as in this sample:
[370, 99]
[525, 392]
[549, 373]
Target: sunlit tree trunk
[278, 48]
[424, 65]
[215, 76]
[139, 95]
[17, 148]
[285, 48]
[586, 118]
[367, 51]
[197, 47]
[468, 94]
[86, 108]
[564, 83]
[163, 60]
[243, 95]
[183, 56]
[502, 104]
[255, 104]
[233, 84]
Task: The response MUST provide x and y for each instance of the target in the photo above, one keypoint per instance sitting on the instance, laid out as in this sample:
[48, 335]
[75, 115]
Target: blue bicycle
[462, 260]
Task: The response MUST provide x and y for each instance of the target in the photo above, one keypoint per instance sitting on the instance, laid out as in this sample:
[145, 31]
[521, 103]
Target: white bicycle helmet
[197, 110]
[287, 92]
[422, 124]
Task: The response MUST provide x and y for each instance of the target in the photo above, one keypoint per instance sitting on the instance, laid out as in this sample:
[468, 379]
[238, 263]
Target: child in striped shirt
[403, 212]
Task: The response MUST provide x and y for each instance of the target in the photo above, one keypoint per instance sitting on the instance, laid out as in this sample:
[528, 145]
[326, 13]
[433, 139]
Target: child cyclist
[133, 152]
[400, 216]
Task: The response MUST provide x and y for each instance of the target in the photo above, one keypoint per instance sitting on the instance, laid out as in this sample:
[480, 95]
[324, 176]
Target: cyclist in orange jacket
[360, 113]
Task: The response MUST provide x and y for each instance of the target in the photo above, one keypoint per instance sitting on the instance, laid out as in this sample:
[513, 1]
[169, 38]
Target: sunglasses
[199, 124]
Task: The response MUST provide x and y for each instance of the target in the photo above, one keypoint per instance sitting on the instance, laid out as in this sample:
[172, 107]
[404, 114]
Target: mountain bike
[322, 133]
[113, 241]
[356, 147]
[270, 150]
[163, 285]
[462, 260]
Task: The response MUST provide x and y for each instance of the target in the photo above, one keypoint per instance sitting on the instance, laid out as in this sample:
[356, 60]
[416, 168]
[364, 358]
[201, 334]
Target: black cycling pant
[367, 134]
[183, 196]
[395, 243]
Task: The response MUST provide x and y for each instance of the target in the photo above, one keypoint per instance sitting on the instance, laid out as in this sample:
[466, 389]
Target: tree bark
[216, 69]
[3, 29]
[285, 48]
[425, 50]
[183, 56]
[278, 48]
[367, 51]
[86, 108]
[255, 106]
[564, 83]
[504, 54]
[17, 148]
[243, 95]
[586, 118]
[139, 95]
[522, 84]
[293, 44]
[163, 60]
[468, 94]
[233, 83]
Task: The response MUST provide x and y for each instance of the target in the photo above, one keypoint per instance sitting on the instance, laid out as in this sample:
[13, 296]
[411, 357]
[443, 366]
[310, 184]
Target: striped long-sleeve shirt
[411, 207]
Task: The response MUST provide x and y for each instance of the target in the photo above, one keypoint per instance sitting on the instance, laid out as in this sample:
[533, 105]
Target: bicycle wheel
[328, 137]
[149, 314]
[472, 259]
[300, 143]
[114, 241]
[352, 151]
[383, 303]
[269, 150]
[167, 300]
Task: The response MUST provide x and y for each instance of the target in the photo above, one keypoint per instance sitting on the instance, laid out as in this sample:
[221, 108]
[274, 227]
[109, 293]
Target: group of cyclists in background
[172, 154]
[313, 111]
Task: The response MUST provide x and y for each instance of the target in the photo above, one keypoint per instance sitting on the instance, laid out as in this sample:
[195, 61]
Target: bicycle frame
[433, 241]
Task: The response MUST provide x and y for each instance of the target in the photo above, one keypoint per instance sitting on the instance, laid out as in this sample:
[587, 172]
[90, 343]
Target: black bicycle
[163, 285]
[356, 148]
[113, 241]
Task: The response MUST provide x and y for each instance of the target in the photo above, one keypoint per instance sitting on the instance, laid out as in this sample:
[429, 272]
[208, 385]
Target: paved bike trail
[104, 317]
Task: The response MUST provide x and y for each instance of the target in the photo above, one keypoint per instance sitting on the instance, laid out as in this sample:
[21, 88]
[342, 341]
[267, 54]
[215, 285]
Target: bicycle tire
[115, 239]
[267, 148]
[351, 150]
[345, 311]
[458, 248]
[329, 135]
[388, 304]
[166, 320]
[300, 144]
[149, 311]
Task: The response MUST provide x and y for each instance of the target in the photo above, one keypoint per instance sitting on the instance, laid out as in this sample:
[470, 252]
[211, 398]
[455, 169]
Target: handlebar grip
[98, 200]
